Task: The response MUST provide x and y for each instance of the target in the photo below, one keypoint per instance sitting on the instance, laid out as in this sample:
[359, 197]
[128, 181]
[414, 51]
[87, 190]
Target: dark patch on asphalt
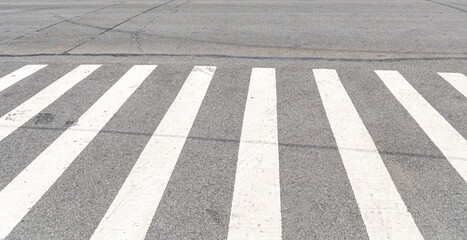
[216, 216]
[44, 118]
[9, 94]
[69, 123]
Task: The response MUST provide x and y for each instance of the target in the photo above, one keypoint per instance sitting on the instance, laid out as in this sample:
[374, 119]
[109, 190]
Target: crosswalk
[257, 200]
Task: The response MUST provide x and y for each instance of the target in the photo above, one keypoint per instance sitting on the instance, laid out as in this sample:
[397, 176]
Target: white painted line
[256, 206]
[383, 210]
[18, 75]
[130, 214]
[443, 135]
[21, 194]
[457, 80]
[20, 115]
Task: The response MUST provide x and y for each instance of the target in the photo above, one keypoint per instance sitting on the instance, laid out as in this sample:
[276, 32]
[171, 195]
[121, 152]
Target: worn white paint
[19, 75]
[256, 206]
[444, 136]
[130, 214]
[20, 115]
[457, 80]
[382, 208]
[21, 194]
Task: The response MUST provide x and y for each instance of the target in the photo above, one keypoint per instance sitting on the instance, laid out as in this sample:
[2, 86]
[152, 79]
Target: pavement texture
[355, 37]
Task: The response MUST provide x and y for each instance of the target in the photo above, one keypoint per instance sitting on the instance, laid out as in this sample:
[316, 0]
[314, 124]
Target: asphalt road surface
[239, 119]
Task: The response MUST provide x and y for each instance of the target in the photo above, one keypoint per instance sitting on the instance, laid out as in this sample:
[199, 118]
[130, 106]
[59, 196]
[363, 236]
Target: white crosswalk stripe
[20, 115]
[384, 212]
[18, 197]
[446, 138]
[256, 211]
[19, 75]
[132, 210]
[457, 80]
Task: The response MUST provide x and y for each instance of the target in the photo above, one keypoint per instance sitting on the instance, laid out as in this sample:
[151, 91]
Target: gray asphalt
[355, 37]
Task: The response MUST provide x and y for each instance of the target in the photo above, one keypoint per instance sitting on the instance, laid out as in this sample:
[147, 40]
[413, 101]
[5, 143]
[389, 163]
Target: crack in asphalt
[221, 56]
[60, 22]
[183, 4]
[117, 25]
[136, 35]
[237, 141]
[256, 46]
[447, 5]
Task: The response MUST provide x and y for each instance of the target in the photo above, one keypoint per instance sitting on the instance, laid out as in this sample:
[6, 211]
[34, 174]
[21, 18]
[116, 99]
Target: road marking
[20, 115]
[457, 80]
[130, 214]
[19, 75]
[21, 194]
[443, 135]
[256, 207]
[383, 210]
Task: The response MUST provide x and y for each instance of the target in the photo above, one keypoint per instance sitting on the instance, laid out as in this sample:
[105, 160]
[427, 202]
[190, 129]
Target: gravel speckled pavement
[239, 119]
